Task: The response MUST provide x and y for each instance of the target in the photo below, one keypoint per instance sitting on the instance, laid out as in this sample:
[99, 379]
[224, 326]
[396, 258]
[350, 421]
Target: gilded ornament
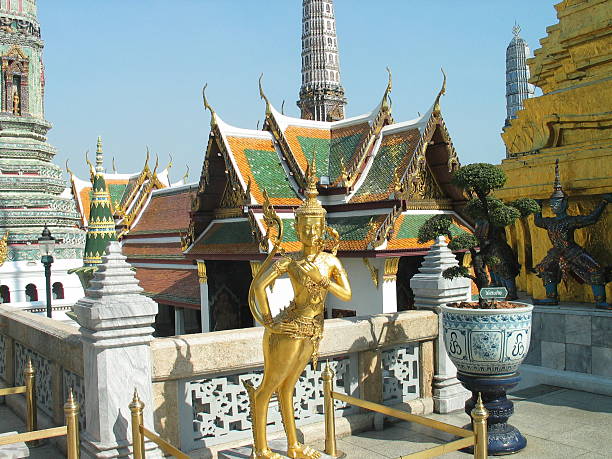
[373, 271]
[391, 266]
[202, 277]
[4, 248]
[292, 338]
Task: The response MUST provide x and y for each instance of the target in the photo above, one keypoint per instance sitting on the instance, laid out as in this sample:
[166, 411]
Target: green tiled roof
[342, 147]
[351, 228]
[116, 191]
[269, 174]
[381, 173]
[329, 152]
[229, 233]
[409, 228]
[321, 146]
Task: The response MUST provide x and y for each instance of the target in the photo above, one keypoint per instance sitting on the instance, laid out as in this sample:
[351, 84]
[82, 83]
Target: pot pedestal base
[503, 437]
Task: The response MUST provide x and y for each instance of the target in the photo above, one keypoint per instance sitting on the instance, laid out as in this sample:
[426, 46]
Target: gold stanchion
[328, 410]
[71, 413]
[136, 408]
[29, 376]
[479, 423]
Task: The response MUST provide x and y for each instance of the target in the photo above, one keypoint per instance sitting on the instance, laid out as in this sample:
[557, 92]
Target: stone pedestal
[432, 290]
[115, 321]
[504, 438]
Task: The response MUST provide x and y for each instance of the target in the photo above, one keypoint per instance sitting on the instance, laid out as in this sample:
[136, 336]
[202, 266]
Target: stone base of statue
[244, 452]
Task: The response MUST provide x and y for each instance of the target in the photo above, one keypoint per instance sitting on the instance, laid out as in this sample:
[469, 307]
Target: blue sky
[132, 71]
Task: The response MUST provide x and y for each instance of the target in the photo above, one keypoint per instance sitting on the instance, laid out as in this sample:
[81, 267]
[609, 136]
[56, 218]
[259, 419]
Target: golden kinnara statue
[292, 338]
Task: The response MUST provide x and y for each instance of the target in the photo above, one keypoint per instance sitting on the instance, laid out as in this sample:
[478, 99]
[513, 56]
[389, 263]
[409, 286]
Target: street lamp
[46, 244]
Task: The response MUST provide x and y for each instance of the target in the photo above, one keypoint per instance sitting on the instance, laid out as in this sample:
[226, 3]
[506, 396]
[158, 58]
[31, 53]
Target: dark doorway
[408, 267]
[228, 288]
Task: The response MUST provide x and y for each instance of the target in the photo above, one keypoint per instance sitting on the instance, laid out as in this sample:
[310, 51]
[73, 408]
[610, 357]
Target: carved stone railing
[201, 403]
[57, 356]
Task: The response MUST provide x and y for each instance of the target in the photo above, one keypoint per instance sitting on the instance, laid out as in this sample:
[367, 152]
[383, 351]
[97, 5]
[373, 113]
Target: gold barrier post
[479, 423]
[328, 410]
[71, 413]
[136, 408]
[29, 376]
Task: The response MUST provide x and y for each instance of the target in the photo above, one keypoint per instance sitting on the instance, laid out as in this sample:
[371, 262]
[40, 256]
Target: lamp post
[46, 244]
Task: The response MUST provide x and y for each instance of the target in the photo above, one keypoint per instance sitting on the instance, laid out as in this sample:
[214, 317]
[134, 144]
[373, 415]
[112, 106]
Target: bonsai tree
[487, 246]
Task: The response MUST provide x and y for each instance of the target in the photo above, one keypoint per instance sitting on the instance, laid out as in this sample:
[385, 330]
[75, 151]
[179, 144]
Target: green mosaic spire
[101, 228]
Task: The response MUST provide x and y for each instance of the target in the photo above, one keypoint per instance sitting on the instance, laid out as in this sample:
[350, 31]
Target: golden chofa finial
[441, 93]
[68, 169]
[207, 106]
[92, 171]
[386, 100]
[263, 96]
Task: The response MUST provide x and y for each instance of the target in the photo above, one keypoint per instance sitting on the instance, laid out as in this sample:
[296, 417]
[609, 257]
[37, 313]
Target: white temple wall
[16, 275]
[367, 298]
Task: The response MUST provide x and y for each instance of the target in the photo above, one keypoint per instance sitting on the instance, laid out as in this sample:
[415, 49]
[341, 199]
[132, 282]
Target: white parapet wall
[201, 404]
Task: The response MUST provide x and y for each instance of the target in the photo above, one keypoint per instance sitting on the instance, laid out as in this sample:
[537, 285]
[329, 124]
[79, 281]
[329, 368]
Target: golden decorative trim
[391, 265]
[3, 248]
[373, 271]
[429, 204]
[202, 277]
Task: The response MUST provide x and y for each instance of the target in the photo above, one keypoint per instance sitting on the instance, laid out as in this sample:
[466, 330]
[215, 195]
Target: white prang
[431, 291]
[115, 319]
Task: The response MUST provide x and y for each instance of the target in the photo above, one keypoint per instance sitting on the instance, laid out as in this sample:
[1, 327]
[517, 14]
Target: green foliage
[503, 216]
[526, 206]
[475, 208]
[438, 225]
[481, 178]
[492, 261]
[456, 271]
[464, 241]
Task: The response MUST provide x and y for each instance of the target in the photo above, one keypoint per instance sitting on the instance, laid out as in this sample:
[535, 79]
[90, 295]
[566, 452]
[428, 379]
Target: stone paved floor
[558, 423]
[9, 422]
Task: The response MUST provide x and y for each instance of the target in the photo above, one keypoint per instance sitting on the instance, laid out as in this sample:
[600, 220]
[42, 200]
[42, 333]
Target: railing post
[136, 407]
[479, 424]
[71, 413]
[328, 410]
[29, 376]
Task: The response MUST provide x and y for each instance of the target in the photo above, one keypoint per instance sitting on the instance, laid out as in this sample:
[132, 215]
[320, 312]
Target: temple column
[179, 321]
[204, 306]
[431, 291]
[115, 319]
[389, 287]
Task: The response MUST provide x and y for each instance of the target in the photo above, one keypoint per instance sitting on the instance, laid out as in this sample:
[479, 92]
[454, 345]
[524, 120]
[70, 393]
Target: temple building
[518, 87]
[148, 214]
[321, 95]
[32, 190]
[129, 193]
[570, 122]
[379, 181]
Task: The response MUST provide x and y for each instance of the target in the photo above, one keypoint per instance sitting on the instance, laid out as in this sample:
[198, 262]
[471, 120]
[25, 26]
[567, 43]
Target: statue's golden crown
[311, 207]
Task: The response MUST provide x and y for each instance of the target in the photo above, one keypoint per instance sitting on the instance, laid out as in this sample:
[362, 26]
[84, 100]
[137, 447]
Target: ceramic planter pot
[487, 346]
[487, 341]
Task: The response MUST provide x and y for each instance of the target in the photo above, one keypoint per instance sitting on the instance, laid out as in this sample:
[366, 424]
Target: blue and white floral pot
[487, 341]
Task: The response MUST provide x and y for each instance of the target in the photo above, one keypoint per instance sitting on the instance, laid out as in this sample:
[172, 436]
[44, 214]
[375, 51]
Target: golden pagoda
[572, 122]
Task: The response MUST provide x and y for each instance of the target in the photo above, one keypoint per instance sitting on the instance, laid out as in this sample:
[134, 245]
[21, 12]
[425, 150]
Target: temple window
[5, 294]
[31, 292]
[58, 291]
